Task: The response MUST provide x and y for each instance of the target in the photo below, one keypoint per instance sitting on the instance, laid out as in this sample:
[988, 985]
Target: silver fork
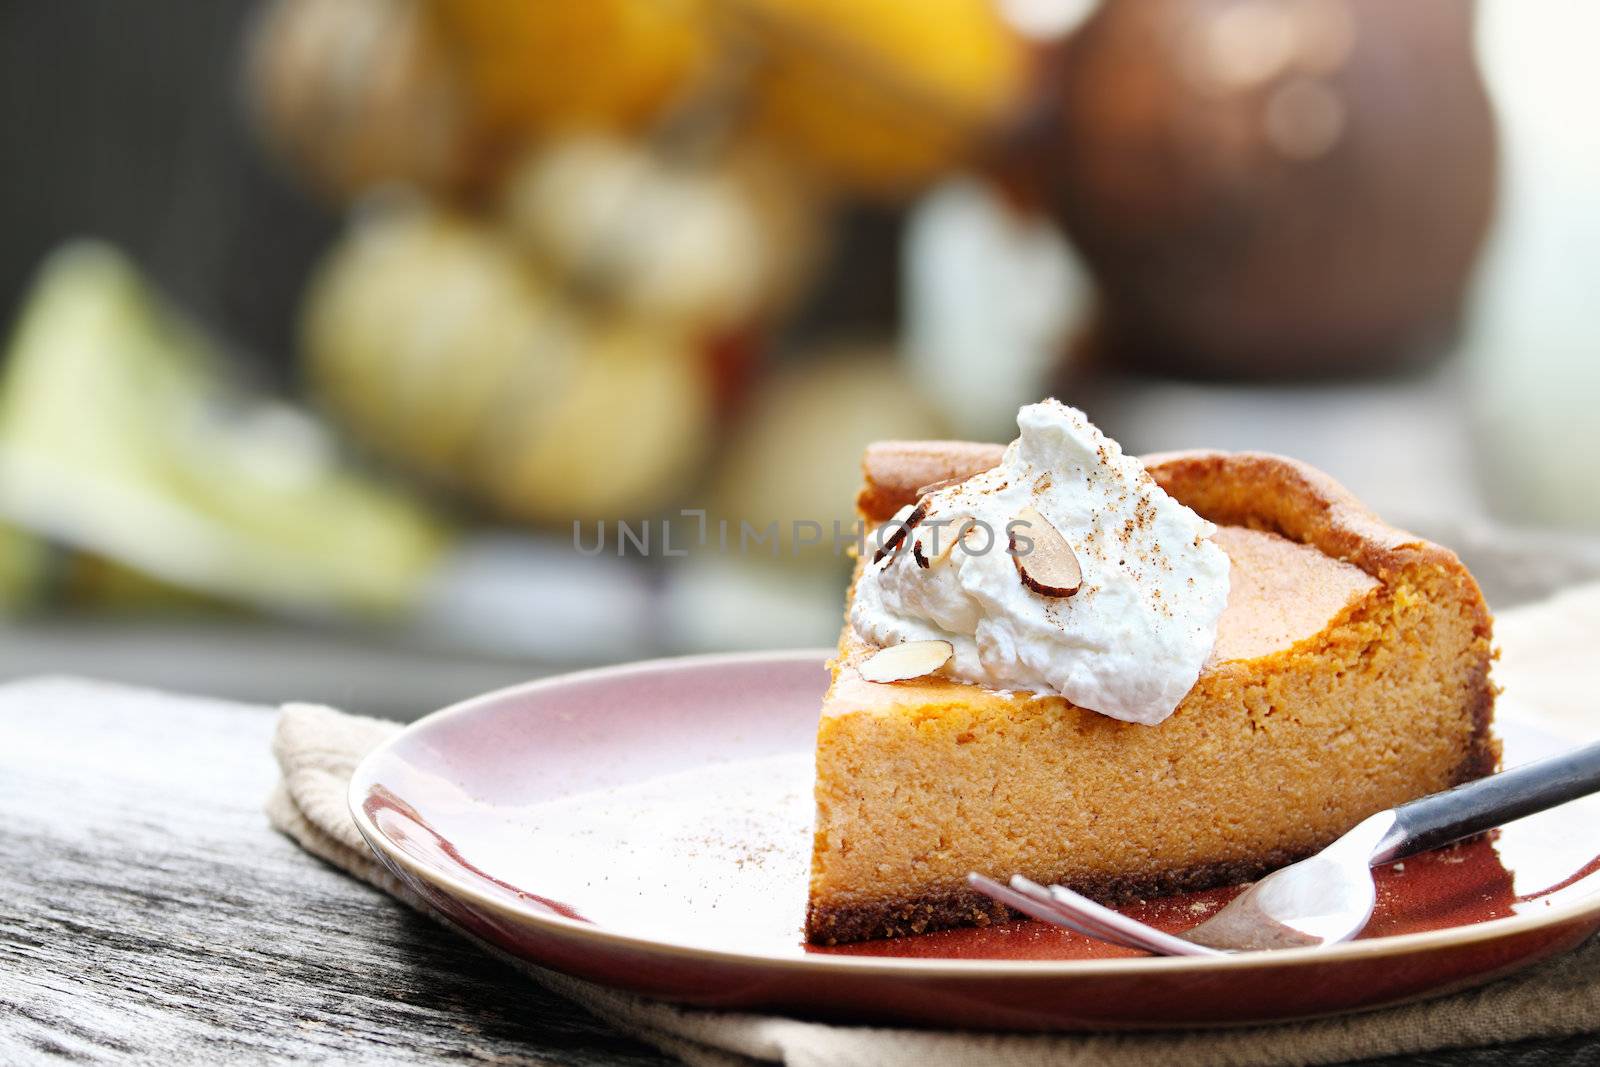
[1329, 897]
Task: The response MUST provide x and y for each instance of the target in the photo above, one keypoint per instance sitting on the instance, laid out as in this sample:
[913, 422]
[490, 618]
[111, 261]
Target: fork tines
[1061, 906]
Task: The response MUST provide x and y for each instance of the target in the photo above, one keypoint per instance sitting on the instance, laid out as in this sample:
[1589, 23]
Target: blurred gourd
[121, 438]
[547, 65]
[37, 574]
[433, 340]
[627, 434]
[25, 566]
[881, 96]
[878, 98]
[1274, 187]
[796, 455]
[706, 243]
[359, 93]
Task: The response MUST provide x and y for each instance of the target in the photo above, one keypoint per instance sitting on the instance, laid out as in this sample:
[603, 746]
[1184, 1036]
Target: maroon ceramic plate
[648, 826]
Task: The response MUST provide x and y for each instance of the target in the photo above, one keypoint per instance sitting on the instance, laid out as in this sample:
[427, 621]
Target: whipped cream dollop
[1129, 643]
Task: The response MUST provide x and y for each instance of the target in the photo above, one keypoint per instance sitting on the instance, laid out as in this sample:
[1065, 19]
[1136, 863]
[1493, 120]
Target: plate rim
[1587, 907]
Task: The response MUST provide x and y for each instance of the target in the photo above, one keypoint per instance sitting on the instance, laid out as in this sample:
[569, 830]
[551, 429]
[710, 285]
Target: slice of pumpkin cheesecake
[1324, 666]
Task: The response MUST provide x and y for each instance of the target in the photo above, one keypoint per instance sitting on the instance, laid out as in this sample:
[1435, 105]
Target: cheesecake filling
[1129, 641]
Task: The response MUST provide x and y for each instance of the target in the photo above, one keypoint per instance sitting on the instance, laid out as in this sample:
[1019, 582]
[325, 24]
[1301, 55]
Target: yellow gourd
[537, 65]
[881, 95]
[431, 338]
[359, 93]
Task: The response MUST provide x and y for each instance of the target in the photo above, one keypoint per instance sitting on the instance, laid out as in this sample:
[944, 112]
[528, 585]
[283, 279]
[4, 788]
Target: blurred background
[342, 331]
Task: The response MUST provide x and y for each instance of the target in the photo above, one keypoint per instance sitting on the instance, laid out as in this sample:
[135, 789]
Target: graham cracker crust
[965, 907]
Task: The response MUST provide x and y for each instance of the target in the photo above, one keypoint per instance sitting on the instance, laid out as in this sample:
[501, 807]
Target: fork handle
[1489, 802]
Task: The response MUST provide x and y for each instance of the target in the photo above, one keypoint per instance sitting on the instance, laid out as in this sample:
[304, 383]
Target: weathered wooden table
[149, 914]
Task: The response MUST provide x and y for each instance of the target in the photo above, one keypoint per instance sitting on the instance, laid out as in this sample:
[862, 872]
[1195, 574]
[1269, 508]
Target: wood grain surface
[148, 913]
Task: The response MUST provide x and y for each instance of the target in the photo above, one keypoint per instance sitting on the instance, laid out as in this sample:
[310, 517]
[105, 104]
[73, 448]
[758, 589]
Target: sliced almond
[969, 532]
[897, 537]
[941, 541]
[913, 659]
[934, 487]
[1050, 568]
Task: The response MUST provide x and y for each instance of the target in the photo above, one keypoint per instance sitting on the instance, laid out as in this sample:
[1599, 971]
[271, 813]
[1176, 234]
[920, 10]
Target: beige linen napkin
[1548, 669]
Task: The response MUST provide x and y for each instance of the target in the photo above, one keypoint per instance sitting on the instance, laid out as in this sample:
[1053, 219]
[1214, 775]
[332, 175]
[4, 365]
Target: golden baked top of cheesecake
[1257, 490]
[1282, 593]
[1306, 553]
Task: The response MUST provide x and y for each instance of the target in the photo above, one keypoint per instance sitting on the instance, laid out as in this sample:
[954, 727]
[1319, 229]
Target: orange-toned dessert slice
[1350, 673]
